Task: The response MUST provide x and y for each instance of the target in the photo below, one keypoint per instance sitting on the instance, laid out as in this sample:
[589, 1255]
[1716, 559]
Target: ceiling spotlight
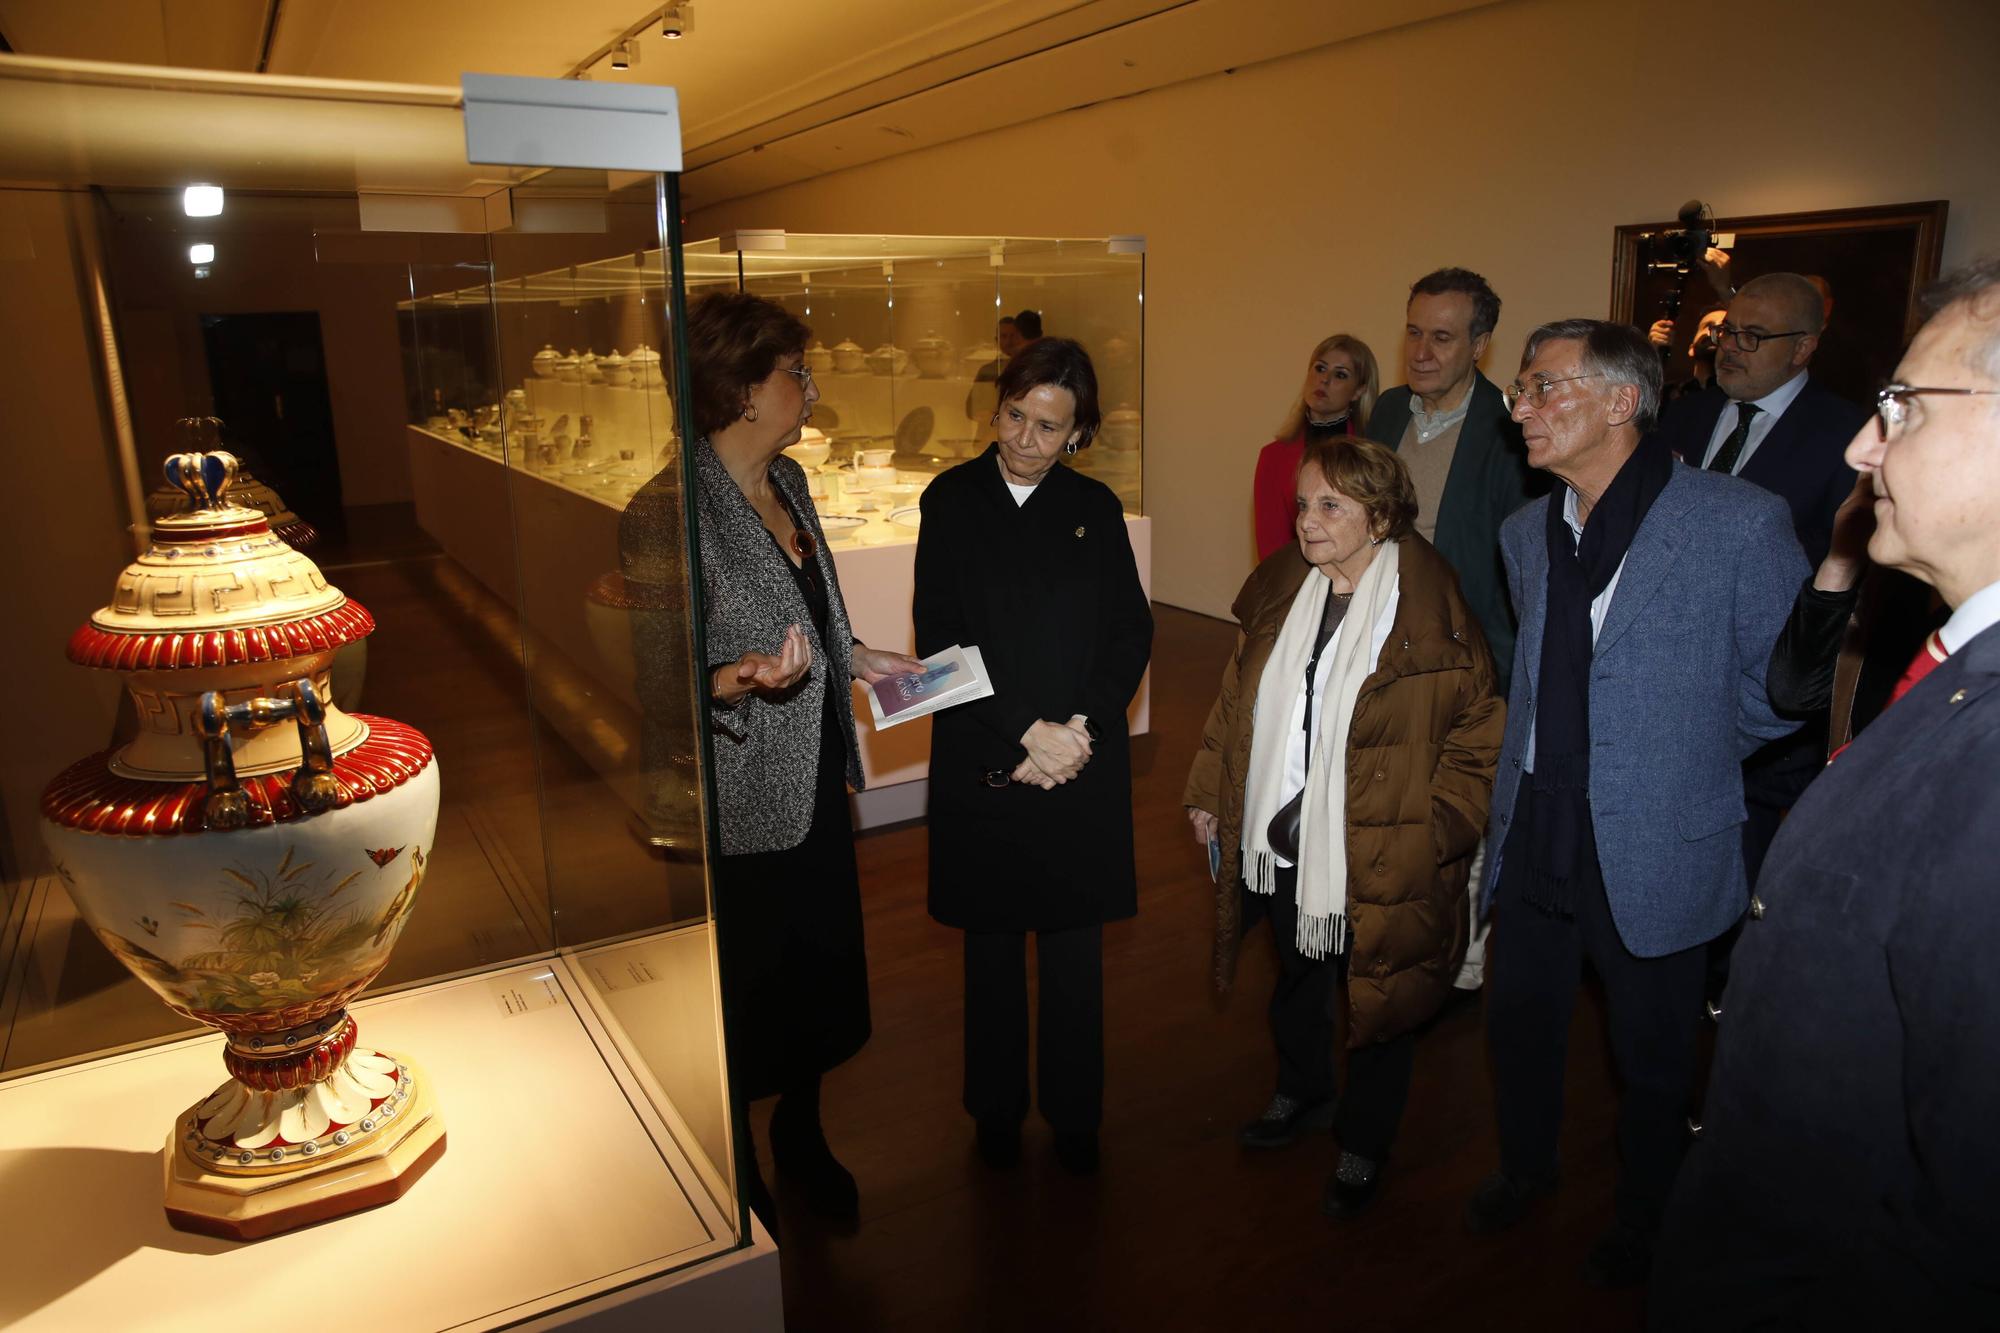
[624, 55]
[674, 22]
[202, 201]
[201, 254]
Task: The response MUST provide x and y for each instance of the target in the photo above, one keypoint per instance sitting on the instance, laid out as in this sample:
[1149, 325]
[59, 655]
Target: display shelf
[560, 1187]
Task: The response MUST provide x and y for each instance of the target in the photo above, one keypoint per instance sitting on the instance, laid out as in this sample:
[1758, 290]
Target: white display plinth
[561, 1199]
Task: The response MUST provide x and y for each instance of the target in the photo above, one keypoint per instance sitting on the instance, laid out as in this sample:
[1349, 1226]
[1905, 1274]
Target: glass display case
[904, 354]
[543, 950]
[549, 377]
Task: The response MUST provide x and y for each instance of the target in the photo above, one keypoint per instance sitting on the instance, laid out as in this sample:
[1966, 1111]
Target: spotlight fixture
[204, 253]
[624, 55]
[202, 201]
[674, 22]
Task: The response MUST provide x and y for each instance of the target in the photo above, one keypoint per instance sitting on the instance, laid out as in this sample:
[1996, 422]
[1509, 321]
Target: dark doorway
[268, 373]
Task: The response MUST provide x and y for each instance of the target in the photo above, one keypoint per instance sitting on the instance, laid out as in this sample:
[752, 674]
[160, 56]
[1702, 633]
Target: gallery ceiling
[771, 91]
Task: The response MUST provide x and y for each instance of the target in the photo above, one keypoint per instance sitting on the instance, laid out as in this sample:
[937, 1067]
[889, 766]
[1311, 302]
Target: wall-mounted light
[202, 201]
[624, 55]
[203, 253]
[674, 22]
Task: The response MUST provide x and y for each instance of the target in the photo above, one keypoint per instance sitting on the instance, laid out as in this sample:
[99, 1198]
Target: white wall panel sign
[570, 123]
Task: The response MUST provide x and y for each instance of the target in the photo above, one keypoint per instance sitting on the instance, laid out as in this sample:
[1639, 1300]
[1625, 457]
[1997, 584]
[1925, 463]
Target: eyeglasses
[804, 373]
[1892, 405]
[1537, 393]
[1747, 341]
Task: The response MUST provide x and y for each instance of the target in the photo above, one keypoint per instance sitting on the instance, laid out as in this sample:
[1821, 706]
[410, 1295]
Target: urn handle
[313, 787]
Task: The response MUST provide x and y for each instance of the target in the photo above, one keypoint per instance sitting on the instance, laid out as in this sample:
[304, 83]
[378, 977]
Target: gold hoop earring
[749, 414]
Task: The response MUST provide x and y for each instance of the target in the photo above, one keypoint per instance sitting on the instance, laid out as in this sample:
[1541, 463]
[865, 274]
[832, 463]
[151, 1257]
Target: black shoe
[1351, 1188]
[1622, 1257]
[1501, 1201]
[1078, 1152]
[1280, 1124]
[825, 1187]
[999, 1143]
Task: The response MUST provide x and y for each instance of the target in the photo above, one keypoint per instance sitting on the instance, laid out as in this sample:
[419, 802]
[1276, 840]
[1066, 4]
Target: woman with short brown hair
[1343, 779]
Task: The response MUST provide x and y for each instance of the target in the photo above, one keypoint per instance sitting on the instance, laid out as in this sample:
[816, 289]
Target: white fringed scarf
[1322, 863]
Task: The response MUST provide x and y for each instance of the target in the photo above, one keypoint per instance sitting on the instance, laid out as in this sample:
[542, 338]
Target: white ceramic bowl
[842, 527]
[906, 520]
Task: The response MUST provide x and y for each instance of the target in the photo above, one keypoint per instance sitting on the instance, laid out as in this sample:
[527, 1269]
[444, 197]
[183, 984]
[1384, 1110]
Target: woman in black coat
[1031, 789]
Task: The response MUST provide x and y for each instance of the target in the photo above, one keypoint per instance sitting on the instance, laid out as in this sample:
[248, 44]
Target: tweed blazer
[1677, 700]
[767, 749]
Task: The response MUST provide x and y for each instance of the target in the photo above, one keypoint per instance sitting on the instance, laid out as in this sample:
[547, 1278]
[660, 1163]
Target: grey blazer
[1677, 700]
[767, 750]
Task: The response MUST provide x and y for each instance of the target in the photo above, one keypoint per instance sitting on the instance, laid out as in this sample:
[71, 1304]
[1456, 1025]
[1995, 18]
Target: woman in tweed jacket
[787, 896]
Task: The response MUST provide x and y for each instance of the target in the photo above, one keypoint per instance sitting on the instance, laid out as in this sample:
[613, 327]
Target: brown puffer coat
[1420, 761]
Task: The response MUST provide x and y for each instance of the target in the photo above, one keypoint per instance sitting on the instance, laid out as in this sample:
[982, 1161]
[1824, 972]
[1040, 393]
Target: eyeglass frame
[805, 374]
[1756, 339]
[1894, 397]
[1516, 391]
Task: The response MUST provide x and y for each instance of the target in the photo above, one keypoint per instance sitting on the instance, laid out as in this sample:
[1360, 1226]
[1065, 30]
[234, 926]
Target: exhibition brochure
[954, 676]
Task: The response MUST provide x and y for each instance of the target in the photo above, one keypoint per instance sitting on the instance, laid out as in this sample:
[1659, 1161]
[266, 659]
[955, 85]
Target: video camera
[1681, 249]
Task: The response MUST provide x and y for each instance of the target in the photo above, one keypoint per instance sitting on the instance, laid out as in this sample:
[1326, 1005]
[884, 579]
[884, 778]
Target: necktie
[1925, 662]
[1732, 448]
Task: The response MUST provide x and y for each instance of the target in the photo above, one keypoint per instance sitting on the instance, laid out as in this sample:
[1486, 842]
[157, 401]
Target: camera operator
[1701, 353]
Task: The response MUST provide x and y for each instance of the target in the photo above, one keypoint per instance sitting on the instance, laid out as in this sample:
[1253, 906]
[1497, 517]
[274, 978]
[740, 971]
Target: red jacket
[1274, 494]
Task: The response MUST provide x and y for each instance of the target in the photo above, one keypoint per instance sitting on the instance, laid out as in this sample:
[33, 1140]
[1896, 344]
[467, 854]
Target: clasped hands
[1057, 752]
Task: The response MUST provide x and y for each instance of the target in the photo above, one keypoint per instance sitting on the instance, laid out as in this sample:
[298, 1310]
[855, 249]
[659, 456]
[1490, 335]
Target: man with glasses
[1649, 595]
[1847, 1174]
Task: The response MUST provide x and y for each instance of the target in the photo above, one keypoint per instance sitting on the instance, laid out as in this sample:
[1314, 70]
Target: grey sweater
[767, 749]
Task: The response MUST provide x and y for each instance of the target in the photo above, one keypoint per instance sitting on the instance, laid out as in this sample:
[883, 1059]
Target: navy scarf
[1562, 844]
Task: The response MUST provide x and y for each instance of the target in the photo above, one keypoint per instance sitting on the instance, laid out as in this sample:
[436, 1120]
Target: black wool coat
[1050, 594]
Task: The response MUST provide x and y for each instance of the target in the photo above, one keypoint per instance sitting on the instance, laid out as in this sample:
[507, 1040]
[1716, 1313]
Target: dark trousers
[1303, 1004]
[1069, 1058]
[1654, 1008]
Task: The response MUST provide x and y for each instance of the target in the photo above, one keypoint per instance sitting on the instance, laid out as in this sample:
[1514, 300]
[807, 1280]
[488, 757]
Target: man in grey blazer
[1649, 595]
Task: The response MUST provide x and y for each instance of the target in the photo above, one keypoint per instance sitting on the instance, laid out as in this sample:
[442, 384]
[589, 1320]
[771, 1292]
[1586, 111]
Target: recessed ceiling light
[203, 253]
[202, 201]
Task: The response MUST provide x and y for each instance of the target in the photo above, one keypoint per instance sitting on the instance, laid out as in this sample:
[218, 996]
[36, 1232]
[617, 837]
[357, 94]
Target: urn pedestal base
[250, 1207]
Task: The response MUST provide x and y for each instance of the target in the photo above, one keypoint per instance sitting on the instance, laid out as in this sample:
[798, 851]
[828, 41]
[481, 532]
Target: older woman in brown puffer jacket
[1343, 782]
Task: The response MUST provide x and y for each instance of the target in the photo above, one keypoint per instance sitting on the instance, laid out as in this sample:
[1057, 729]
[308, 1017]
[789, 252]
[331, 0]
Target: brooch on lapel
[1079, 530]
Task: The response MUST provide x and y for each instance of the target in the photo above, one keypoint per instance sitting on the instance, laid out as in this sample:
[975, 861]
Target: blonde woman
[1335, 401]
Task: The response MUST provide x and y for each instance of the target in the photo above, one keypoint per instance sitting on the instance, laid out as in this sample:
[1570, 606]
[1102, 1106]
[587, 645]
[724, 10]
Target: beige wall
[1297, 197]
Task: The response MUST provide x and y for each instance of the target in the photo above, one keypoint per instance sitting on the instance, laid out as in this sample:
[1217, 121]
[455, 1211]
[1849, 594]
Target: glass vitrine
[360, 326]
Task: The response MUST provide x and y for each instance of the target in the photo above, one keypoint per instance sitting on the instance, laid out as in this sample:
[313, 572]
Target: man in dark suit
[1796, 429]
[1465, 459]
[1766, 421]
[1847, 1174]
[1650, 594]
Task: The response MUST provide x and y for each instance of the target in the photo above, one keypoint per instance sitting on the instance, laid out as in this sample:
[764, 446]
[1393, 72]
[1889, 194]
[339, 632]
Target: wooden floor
[1182, 1229]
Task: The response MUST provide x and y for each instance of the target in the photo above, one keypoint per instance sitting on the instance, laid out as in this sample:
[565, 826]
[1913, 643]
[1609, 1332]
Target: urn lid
[217, 587]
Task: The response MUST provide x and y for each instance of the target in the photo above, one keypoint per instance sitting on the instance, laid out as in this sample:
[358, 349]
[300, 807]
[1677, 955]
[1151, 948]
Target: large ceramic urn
[252, 854]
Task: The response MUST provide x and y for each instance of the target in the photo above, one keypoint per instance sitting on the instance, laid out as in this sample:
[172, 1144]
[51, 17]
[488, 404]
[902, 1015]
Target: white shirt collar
[1974, 616]
[1774, 403]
